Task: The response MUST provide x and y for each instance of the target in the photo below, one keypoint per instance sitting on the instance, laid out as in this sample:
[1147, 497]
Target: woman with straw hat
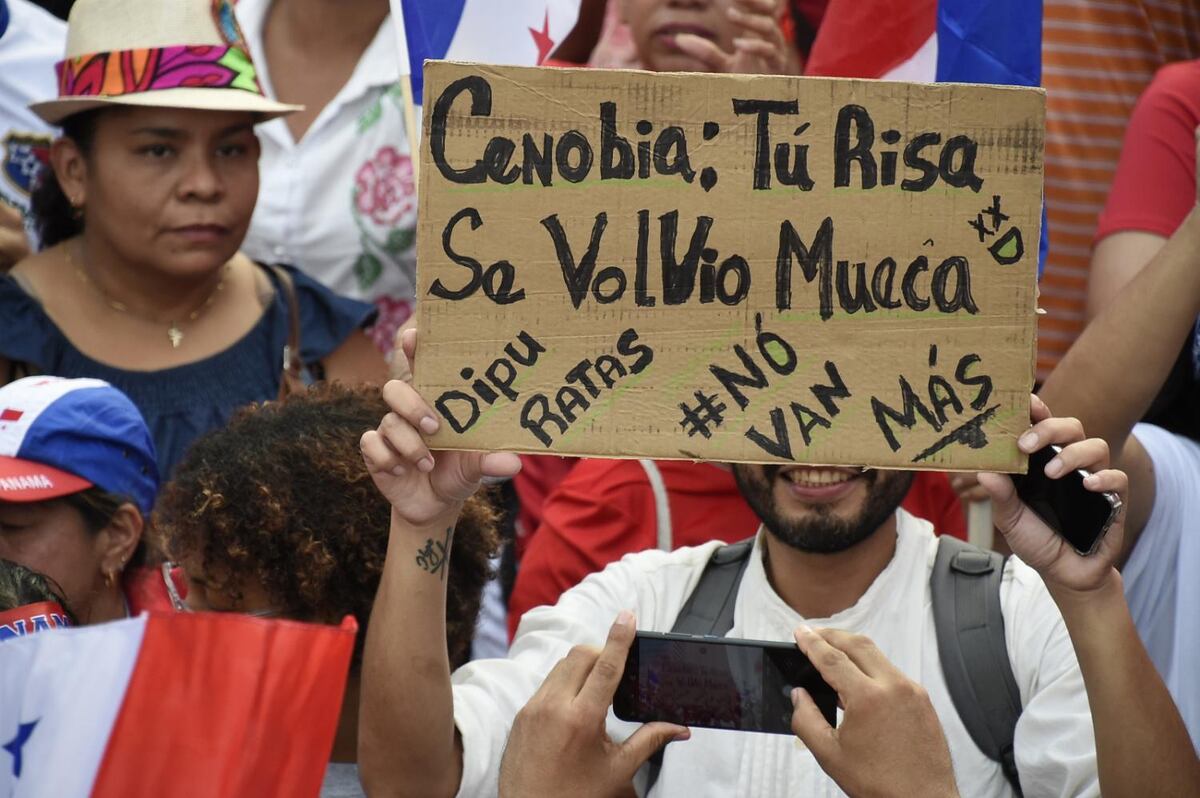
[154, 180]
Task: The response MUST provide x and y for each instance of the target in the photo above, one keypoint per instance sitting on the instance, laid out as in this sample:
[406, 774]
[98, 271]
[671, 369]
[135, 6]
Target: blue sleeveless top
[182, 403]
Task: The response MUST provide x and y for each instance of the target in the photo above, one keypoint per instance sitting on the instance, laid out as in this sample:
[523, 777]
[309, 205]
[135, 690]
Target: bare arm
[1118, 365]
[1142, 744]
[407, 743]
[1116, 260]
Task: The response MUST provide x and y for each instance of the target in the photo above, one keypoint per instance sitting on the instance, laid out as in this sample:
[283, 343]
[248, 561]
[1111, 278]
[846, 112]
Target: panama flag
[959, 41]
[512, 32]
[179, 705]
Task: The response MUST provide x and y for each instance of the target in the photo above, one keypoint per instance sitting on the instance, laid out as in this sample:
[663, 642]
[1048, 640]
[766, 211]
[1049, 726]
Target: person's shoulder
[652, 564]
[1175, 87]
[1177, 76]
[1163, 445]
[326, 318]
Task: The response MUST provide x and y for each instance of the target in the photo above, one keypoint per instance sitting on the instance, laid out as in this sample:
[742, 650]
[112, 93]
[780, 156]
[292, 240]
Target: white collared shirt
[341, 204]
[30, 45]
[1054, 742]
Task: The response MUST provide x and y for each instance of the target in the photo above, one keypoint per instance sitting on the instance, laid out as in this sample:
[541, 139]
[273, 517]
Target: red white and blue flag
[511, 32]
[204, 704]
[948, 41]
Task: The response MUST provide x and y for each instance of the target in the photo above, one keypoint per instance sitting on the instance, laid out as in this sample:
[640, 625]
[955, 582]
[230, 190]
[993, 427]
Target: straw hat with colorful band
[151, 53]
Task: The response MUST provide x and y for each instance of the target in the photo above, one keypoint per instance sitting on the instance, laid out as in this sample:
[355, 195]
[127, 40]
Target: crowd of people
[207, 264]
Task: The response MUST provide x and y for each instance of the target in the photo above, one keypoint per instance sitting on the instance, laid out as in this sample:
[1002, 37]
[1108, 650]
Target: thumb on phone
[809, 724]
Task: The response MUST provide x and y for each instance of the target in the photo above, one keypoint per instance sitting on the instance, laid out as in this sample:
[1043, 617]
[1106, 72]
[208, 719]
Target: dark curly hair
[281, 496]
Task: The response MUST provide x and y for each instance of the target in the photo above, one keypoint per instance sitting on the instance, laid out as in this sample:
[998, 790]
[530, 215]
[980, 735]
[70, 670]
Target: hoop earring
[110, 579]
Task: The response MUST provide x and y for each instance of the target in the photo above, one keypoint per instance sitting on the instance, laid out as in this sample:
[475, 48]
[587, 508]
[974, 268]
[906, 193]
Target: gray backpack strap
[709, 610]
[967, 618]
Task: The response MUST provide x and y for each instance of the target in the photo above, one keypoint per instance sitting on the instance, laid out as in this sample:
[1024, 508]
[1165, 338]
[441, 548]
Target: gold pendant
[175, 334]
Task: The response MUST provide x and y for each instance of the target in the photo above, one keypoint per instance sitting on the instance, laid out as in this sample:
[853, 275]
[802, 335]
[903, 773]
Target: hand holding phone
[890, 741]
[558, 744]
[1080, 555]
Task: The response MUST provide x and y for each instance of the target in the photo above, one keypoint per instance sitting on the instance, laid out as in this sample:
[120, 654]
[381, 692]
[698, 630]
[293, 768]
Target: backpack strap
[662, 506]
[709, 610]
[967, 618]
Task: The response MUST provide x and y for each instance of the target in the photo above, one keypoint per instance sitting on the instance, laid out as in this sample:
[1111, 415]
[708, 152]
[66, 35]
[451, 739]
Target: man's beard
[820, 531]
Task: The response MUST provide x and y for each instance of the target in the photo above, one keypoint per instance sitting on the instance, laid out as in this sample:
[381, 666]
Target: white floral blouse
[341, 204]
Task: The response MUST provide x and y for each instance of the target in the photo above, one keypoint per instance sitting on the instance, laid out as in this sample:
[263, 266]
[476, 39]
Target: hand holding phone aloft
[1031, 539]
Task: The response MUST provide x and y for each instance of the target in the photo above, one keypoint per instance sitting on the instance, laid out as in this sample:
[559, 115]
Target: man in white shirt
[834, 551]
[31, 42]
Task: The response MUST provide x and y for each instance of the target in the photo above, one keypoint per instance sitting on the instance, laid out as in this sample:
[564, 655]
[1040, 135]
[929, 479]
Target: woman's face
[171, 189]
[52, 539]
[653, 24]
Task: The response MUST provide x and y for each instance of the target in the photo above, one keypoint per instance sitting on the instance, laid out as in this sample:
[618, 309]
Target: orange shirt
[1097, 57]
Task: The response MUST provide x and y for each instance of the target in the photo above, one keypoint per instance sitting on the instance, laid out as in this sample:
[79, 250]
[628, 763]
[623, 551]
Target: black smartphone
[717, 683]
[1079, 515]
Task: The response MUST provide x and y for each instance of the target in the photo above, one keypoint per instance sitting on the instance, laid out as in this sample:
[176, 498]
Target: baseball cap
[60, 436]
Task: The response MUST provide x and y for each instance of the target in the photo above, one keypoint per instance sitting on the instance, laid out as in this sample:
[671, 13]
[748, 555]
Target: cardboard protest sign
[725, 267]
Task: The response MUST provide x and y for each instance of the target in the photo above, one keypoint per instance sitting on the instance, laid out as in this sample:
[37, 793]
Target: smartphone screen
[717, 683]
[1080, 516]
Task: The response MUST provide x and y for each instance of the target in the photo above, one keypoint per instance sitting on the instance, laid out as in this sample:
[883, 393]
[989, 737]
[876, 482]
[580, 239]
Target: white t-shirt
[340, 204]
[31, 42]
[1055, 744]
[1162, 585]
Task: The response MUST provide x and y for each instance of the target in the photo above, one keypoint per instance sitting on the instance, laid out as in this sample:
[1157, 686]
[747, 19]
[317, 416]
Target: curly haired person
[276, 515]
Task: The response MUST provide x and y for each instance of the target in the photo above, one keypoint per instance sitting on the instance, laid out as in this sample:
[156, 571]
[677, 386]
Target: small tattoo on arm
[433, 556]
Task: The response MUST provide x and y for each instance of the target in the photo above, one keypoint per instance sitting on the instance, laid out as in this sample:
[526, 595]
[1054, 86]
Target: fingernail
[624, 618]
[679, 737]
[1054, 467]
[425, 464]
[795, 696]
[429, 425]
[370, 463]
[1028, 442]
[398, 471]
[1091, 480]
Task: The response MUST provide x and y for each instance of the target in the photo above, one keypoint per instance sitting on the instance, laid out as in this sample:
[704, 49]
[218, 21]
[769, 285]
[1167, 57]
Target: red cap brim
[26, 481]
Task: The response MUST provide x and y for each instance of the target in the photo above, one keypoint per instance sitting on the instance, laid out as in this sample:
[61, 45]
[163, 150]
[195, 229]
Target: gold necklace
[174, 333]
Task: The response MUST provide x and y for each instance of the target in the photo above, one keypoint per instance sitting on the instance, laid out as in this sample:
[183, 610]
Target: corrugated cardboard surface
[942, 386]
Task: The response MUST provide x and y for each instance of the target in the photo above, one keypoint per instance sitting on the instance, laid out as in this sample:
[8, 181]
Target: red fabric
[605, 509]
[30, 618]
[540, 475]
[1155, 184]
[222, 704]
[866, 38]
[145, 589]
